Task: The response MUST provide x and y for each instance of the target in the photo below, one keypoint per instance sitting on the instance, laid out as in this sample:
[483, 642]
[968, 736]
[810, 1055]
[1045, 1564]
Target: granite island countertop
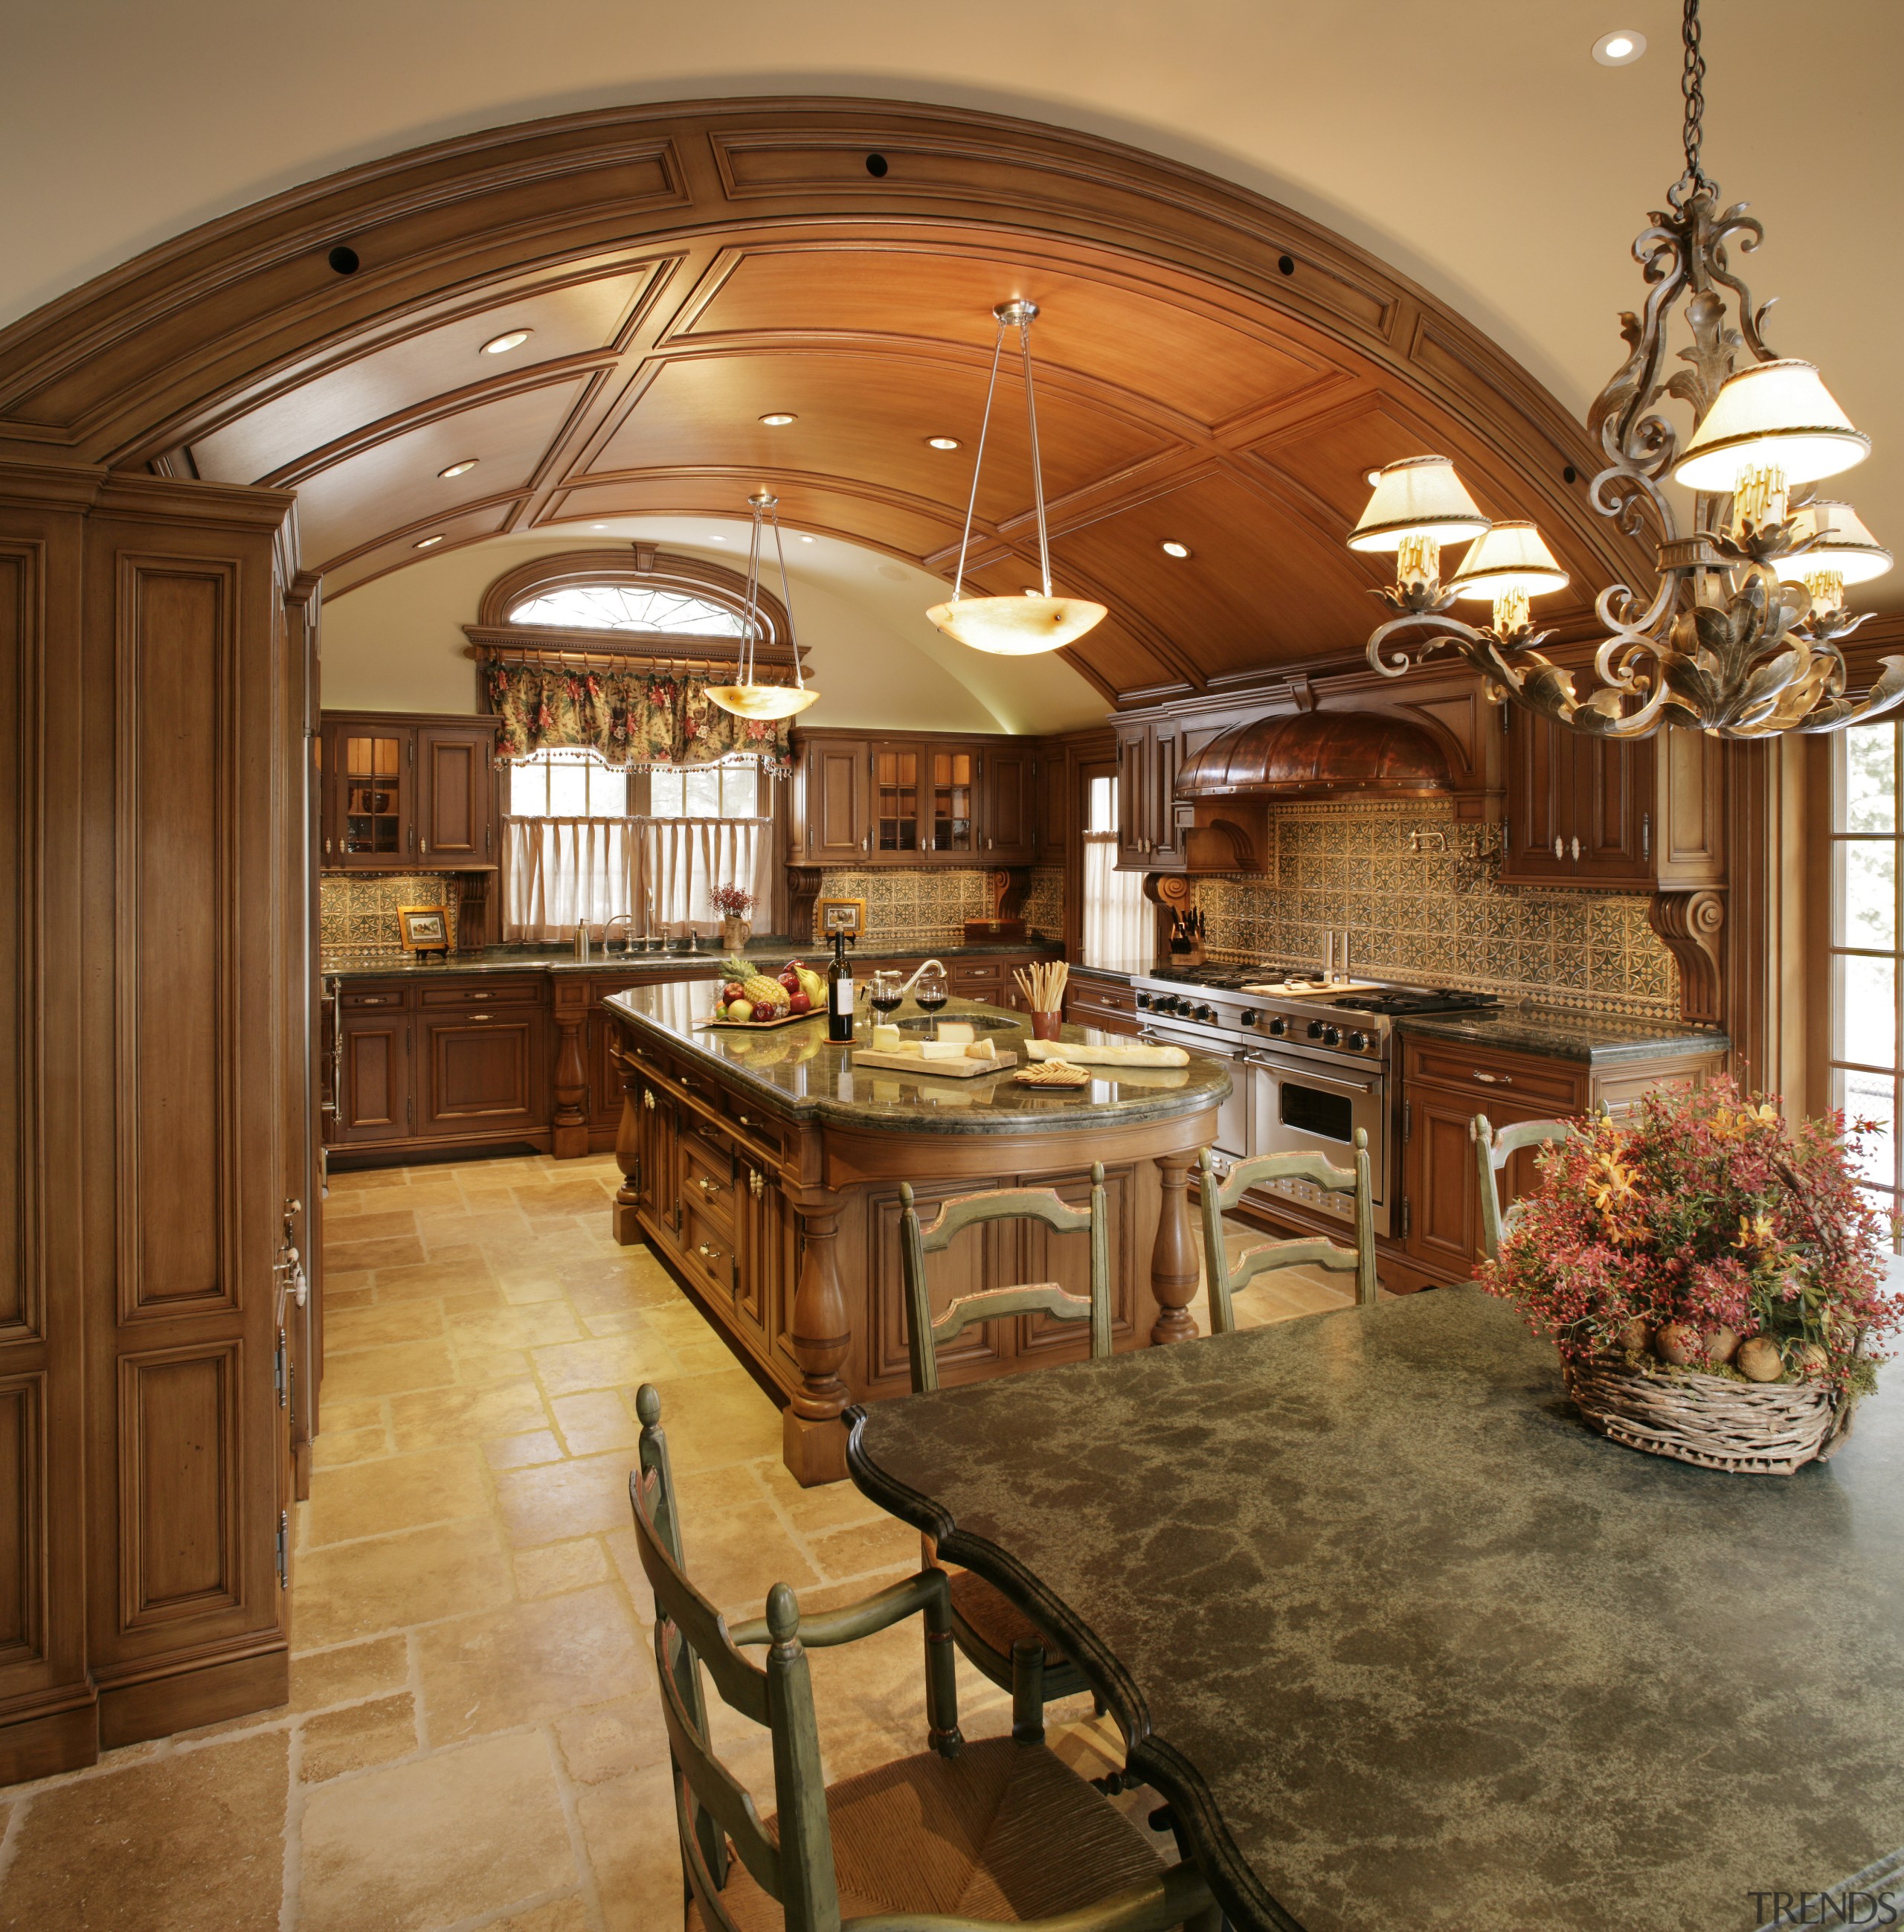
[344, 963]
[1566, 1033]
[796, 1072]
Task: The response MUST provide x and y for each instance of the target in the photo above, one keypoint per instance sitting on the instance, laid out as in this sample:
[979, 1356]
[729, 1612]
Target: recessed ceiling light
[942, 441]
[501, 345]
[1620, 48]
[1172, 547]
[778, 419]
[806, 539]
[1373, 477]
[1031, 590]
[598, 526]
[462, 468]
[717, 539]
[427, 543]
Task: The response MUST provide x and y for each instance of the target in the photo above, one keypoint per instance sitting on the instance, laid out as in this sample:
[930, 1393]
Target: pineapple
[756, 986]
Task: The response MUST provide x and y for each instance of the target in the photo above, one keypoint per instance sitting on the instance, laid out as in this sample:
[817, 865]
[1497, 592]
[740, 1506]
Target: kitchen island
[764, 1169]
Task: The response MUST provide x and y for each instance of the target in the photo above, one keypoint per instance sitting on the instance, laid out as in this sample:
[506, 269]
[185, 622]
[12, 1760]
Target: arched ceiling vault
[1213, 369]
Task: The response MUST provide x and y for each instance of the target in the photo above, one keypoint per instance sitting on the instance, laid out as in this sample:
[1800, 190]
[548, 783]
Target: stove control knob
[1357, 1041]
[1208, 1013]
[1315, 1029]
[1331, 1037]
[1250, 1016]
[1279, 1026]
[1145, 1003]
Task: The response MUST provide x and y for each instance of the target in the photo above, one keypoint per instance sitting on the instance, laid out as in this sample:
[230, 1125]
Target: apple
[798, 1002]
[765, 1014]
[790, 980]
[734, 990]
[740, 1009]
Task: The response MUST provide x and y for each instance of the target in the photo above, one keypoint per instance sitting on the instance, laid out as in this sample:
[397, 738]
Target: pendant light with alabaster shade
[747, 698]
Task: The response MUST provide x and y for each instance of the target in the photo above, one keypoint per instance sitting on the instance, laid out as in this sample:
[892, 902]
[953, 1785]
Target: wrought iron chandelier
[747, 698]
[1013, 626]
[1740, 636]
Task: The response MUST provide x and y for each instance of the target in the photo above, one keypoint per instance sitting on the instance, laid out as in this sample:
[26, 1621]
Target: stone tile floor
[472, 1738]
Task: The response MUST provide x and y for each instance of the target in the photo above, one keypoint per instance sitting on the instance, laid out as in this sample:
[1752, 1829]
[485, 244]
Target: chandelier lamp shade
[1025, 625]
[749, 698]
[1738, 633]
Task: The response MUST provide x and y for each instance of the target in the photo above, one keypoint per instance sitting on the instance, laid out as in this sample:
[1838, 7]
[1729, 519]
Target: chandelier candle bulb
[1759, 499]
[1418, 561]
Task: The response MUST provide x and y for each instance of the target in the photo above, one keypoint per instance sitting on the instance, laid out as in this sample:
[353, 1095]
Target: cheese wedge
[981, 1049]
[944, 1049]
[961, 1033]
[886, 1039]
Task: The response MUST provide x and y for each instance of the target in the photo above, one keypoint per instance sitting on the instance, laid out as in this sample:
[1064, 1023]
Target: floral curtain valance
[628, 717]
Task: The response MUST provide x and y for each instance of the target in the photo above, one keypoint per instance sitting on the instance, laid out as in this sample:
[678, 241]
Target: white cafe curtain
[1119, 925]
[559, 873]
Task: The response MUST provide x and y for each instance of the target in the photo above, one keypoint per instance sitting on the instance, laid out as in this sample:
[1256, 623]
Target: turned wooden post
[628, 1157]
[1173, 1273]
[569, 1137]
[813, 1439]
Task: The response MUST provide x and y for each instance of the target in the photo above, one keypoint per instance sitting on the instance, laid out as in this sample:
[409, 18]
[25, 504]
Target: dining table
[1403, 1643]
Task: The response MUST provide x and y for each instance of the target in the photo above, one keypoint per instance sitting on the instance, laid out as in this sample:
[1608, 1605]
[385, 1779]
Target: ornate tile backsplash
[357, 911]
[932, 907]
[1435, 912]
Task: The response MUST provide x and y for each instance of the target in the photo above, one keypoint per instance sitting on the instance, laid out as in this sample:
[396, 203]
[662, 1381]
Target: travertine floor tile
[596, 1421]
[427, 1843]
[358, 1735]
[560, 1566]
[388, 1371]
[362, 1589]
[581, 1496]
[432, 1418]
[191, 1841]
[325, 1677]
[399, 1492]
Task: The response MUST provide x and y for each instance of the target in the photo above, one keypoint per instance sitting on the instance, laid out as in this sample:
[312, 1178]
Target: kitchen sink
[978, 1022]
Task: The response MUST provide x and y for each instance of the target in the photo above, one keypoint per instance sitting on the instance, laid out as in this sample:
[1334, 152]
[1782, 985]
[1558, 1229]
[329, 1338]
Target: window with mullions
[1867, 1071]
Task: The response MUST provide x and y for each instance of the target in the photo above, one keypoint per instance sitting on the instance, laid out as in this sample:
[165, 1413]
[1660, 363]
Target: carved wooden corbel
[1689, 925]
[802, 891]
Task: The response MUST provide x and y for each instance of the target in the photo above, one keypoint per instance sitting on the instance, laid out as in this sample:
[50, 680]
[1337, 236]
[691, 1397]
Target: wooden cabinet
[1110, 1005]
[914, 799]
[1645, 815]
[1444, 1084]
[1058, 804]
[1152, 824]
[373, 1074]
[481, 1072]
[399, 791]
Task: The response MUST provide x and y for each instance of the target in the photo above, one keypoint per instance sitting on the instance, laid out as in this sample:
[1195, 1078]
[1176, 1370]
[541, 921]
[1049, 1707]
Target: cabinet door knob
[707, 1251]
[1559, 849]
[708, 1188]
[756, 1186]
[1575, 849]
[648, 1098]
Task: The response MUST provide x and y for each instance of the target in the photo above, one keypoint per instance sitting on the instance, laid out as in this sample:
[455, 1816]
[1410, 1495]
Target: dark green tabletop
[1406, 1645]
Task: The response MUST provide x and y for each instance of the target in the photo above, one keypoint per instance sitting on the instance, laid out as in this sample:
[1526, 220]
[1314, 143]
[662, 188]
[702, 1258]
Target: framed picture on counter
[424, 928]
[847, 916]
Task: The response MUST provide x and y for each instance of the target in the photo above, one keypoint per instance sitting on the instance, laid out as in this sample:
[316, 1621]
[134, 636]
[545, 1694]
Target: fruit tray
[763, 1026]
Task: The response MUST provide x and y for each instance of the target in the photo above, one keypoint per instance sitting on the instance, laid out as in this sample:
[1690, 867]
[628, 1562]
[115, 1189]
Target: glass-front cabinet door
[895, 798]
[373, 773]
[955, 794]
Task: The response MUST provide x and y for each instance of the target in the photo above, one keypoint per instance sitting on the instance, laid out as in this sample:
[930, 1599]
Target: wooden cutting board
[945, 1069]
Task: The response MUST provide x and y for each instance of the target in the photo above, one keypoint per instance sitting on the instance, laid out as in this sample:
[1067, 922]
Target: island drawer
[1558, 1084]
[496, 990]
[707, 1248]
[746, 1115]
[707, 1180]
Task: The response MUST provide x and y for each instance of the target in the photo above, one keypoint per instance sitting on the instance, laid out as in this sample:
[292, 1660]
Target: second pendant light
[1013, 626]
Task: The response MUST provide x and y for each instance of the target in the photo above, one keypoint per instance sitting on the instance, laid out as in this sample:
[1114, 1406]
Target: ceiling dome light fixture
[462, 468]
[943, 443]
[501, 345]
[427, 543]
[779, 418]
[1171, 548]
[1738, 634]
[1620, 48]
[747, 698]
[1013, 626]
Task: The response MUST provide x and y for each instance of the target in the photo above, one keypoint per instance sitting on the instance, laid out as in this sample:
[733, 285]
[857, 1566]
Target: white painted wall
[397, 643]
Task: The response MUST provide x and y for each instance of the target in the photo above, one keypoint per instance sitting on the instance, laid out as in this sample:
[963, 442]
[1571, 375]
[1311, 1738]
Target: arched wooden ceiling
[1212, 368]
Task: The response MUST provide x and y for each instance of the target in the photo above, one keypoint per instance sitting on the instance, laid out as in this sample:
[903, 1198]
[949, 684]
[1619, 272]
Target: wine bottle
[839, 993]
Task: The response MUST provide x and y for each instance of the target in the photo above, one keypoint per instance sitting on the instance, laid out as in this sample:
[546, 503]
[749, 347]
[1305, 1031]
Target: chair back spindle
[1494, 1148]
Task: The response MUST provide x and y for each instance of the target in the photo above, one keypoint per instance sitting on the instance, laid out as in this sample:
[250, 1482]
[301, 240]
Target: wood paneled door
[151, 1081]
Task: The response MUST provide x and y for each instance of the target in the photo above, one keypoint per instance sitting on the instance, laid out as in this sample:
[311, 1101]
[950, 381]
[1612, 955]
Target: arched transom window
[627, 607]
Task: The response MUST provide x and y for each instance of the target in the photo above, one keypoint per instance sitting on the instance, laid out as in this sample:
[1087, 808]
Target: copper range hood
[1346, 756]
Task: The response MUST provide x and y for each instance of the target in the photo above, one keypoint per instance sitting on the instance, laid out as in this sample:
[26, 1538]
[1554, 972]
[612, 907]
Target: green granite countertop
[796, 1072]
[1564, 1033]
[346, 964]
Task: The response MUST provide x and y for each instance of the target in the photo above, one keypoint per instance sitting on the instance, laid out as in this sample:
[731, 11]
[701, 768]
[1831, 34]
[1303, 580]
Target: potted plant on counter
[1713, 1275]
[733, 903]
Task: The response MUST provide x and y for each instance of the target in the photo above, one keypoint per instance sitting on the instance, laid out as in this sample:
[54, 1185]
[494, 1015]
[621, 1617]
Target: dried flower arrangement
[731, 901]
[1708, 1272]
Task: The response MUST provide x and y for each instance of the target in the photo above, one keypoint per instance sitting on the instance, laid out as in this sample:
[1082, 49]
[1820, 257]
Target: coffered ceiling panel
[1190, 361]
[401, 375]
[1258, 589]
[394, 483]
[466, 527]
[867, 417]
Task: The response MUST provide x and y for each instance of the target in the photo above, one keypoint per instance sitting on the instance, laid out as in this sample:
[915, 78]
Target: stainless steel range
[1310, 1059]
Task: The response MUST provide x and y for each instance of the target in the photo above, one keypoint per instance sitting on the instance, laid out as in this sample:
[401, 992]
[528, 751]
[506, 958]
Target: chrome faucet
[609, 925]
[921, 973]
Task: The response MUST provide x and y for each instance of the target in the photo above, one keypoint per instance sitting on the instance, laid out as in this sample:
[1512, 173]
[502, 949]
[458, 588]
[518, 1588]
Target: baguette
[1137, 1054]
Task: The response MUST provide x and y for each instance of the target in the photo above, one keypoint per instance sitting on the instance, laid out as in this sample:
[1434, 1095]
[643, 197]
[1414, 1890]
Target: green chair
[959, 1839]
[1494, 1148]
[1001, 1641]
[1219, 1196]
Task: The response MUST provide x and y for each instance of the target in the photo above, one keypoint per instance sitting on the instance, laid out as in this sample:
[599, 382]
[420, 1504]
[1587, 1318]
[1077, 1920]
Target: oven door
[1301, 1106]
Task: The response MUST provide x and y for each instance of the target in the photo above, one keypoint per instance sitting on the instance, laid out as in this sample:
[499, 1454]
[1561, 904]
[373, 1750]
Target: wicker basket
[1756, 1429]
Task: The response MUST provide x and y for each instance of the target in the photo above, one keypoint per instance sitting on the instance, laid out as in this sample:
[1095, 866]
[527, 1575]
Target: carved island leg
[628, 1158]
[569, 1139]
[1173, 1271]
[812, 1440]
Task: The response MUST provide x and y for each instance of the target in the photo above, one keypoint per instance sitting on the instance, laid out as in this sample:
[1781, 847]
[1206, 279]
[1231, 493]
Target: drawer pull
[708, 1252]
[1493, 1079]
[708, 1188]
[756, 1186]
[478, 996]
[474, 1017]
[647, 1098]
